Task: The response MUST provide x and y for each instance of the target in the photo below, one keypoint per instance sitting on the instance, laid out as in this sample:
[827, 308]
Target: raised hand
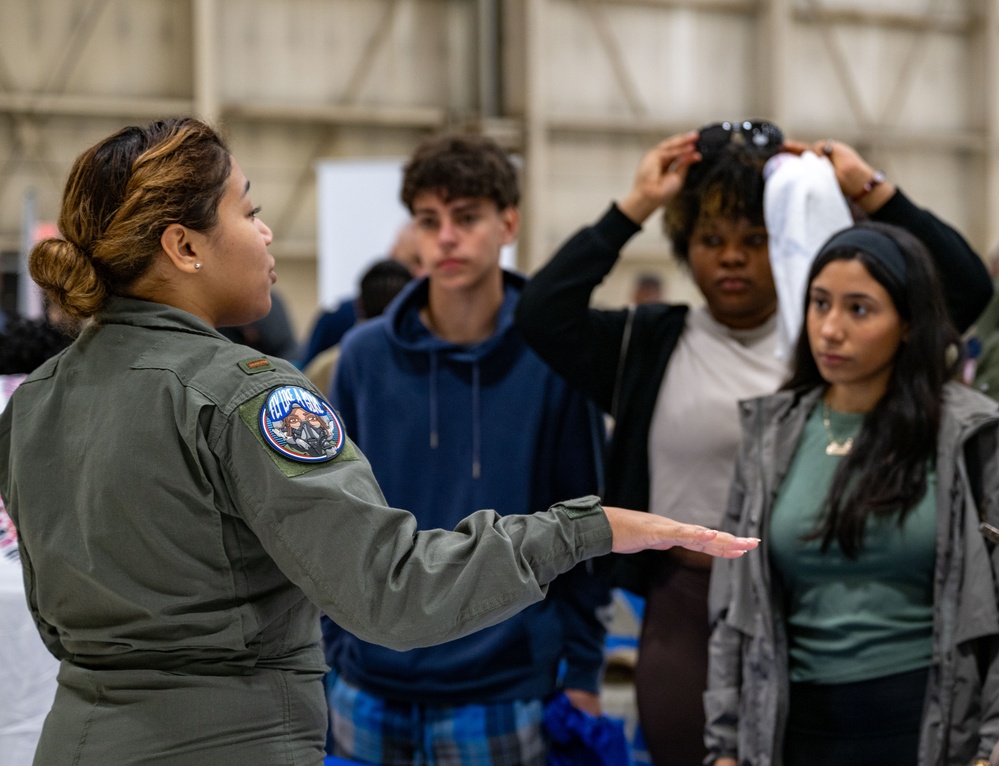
[853, 172]
[660, 175]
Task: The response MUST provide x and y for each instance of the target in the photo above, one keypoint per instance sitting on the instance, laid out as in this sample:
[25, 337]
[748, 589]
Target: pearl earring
[197, 265]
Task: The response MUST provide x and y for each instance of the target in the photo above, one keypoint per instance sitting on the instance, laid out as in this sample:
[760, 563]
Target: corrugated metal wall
[580, 87]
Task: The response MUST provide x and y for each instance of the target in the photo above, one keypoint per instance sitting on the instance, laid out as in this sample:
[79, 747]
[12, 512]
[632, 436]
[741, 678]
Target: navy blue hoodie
[449, 429]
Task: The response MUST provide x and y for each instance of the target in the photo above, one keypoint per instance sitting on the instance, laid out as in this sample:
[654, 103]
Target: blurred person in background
[647, 288]
[26, 343]
[330, 326]
[272, 334]
[379, 285]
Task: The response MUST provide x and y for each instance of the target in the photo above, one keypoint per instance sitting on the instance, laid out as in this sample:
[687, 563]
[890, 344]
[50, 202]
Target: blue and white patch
[299, 425]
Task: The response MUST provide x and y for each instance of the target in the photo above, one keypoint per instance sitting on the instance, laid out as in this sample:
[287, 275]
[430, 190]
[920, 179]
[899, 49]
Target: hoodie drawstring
[476, 413]
[433, 400]
[476, 424]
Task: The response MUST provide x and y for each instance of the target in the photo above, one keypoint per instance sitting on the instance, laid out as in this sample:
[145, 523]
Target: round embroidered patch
[299, 425]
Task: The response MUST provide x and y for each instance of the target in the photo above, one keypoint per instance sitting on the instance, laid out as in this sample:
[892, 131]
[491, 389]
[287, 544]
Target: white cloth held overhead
[802, 207]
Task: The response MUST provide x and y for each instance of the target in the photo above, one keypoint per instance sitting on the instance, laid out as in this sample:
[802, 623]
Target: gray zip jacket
[747, 697]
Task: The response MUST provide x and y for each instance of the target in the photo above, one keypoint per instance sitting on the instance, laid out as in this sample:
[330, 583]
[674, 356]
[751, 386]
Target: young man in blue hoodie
[454, 411]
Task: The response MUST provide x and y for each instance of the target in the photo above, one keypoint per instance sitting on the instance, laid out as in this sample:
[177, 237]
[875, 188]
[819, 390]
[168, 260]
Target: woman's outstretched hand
[635, 531]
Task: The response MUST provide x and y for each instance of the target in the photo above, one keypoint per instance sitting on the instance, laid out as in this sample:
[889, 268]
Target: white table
[27, 672]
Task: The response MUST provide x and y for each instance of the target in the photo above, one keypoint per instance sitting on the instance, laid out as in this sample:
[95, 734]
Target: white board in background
[358, 218]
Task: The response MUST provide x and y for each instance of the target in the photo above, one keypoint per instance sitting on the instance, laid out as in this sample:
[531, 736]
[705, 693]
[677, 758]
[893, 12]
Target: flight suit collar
[140, 313]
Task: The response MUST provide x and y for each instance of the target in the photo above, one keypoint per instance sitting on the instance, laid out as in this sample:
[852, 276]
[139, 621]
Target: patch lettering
[301, 426]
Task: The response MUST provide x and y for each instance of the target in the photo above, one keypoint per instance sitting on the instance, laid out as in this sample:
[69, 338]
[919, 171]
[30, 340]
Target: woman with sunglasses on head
[184, 506]
[671, 377]
[868, 633]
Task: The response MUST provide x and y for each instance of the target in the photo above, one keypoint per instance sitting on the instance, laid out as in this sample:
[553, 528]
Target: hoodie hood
[406, 331]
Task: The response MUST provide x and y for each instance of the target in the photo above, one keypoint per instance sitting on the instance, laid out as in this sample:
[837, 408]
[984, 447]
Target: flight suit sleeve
[327, 526]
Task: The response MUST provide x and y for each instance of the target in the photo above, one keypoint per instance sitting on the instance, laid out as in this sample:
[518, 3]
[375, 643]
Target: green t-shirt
[851, 620]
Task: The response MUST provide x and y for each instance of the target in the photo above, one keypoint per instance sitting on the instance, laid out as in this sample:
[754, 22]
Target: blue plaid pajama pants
[369, 729]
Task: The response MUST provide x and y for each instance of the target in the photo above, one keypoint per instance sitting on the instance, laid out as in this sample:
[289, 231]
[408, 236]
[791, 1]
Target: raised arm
[554, 315]
[965, 280]
[326, 524]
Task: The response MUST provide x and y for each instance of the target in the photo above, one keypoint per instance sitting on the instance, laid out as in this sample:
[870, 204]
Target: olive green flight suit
[176, 564]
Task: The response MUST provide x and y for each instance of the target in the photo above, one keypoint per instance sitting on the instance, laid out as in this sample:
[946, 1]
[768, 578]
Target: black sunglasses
[754, 134]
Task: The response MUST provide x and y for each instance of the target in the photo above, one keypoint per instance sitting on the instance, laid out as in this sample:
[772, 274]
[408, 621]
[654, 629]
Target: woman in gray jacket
[868, 630]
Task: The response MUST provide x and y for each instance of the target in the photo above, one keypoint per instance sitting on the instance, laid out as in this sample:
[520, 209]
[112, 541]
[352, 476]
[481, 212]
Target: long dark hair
[885, 472]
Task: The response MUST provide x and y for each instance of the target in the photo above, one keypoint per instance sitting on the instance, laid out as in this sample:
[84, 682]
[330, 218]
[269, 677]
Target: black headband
[880, 247]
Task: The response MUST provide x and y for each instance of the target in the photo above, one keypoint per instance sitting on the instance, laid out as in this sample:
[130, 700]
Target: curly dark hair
[461, 165]
[727, 183]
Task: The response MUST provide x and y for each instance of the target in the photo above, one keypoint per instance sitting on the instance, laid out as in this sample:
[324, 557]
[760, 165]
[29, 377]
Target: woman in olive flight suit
[175, 560]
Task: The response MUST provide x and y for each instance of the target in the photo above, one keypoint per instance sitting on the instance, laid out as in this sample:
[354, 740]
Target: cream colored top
[695, 427]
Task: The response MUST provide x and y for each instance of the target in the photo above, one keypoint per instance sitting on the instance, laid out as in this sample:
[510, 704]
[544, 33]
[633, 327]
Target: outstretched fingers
[634, 531]
[715, 543]
[728, 546]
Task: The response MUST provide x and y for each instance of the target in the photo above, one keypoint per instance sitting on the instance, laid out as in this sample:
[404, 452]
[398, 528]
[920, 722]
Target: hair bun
[68, 277]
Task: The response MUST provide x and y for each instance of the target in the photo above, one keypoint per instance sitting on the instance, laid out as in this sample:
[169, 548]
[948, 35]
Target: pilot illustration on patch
[300, 425]
[307, 430]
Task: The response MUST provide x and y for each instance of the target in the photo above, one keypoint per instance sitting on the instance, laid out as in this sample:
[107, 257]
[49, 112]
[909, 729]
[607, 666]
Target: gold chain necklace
[835, 448]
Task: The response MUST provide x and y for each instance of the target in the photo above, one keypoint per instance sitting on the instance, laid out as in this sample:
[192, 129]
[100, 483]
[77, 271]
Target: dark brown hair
[461, 165]
[121, 195]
